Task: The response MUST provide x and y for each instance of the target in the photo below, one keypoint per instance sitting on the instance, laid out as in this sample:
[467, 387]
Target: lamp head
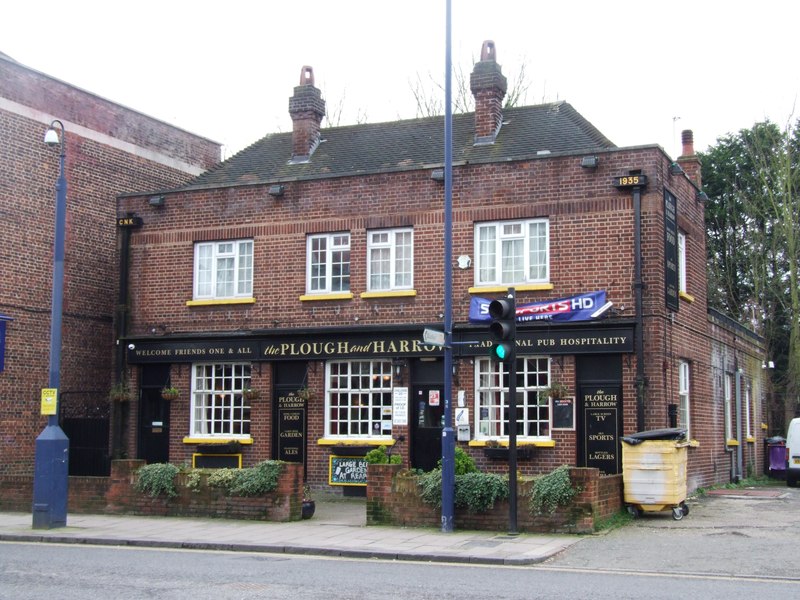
[51, 137]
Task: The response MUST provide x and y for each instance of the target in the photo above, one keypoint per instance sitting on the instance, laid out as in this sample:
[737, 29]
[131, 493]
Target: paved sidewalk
[337, 529]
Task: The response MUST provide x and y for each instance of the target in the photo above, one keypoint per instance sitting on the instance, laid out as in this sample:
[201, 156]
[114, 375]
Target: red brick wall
[393, 499]
[591, 243]
[117, 495]
[96, 173]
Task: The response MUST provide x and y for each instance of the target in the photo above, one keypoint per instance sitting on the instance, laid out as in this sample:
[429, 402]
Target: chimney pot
[307, 108]
[488, 85]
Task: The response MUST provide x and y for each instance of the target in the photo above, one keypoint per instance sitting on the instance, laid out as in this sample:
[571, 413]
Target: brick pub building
[109, 150]
[285, 292]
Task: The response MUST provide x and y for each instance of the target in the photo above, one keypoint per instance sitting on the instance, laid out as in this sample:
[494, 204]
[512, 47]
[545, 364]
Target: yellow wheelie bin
[654, 471]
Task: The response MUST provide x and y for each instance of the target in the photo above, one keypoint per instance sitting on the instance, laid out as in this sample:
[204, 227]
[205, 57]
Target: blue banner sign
[572, 308]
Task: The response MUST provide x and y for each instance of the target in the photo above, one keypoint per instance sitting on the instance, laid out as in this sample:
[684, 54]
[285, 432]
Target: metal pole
[512, 425]
[51, 469]
[448, 439]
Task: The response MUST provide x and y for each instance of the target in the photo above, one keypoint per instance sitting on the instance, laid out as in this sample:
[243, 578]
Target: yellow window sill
[355, 442]
[732, 443]
[520, 287]
[390, 294]
[215, 302]
[326, 297]
[684, 296]
[216, 440]
[504, 443]
[694, 444]
[751, 439]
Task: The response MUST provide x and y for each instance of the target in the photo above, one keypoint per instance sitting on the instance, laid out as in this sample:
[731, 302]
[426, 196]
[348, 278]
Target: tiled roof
[409, 144]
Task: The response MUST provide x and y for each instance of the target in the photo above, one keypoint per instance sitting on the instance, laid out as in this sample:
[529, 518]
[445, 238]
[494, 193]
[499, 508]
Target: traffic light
[503, 328]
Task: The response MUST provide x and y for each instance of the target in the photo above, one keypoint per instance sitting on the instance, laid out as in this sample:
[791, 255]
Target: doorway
[153, 441]
[289, 413]
[427, 414]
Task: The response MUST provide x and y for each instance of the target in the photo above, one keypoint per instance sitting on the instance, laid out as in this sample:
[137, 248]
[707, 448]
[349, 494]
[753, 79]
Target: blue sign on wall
[3, 320]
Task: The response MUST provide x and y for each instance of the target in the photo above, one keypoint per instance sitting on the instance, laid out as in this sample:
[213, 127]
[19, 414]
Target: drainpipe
[738, 424]
[638, 287]
[121, 325]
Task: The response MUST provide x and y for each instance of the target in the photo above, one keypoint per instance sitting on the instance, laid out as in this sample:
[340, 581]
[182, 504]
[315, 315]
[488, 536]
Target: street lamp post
[51, 469]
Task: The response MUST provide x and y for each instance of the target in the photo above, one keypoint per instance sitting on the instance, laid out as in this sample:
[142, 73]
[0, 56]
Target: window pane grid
[223, 269]
[533, 407]
[329, 263]
[518, 251]
[391, 259]
[359, 398]
[218, 405]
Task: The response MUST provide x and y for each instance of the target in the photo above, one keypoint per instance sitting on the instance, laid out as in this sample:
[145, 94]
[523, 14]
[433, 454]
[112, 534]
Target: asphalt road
[744, 533]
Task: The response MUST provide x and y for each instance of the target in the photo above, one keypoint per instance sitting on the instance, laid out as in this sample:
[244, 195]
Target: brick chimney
[306, 108]
[488, 85]
[688, 160]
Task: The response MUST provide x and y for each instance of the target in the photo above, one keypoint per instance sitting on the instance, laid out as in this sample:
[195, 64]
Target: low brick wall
[117, 495]
[393, 499]
[85, 495]
[284, 504]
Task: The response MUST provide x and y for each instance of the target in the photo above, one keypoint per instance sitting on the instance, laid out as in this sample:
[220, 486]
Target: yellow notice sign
[49, 401]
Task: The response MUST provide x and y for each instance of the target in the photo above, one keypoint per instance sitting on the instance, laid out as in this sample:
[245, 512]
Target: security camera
[131, 346]
[602, 309]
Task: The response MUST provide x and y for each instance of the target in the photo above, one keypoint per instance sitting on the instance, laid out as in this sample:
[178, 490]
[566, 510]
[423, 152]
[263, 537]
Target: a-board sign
[348, 470]
[564, 413]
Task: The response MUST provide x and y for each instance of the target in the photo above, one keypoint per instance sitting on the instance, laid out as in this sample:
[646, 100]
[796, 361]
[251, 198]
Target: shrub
[252, 481]
[476, 491]
[552, 490]
[379, 456]
[157, 479]
[463, 462]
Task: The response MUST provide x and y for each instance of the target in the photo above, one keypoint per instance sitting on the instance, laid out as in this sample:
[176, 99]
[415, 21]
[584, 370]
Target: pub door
[153, 443]
[599, 418]
[289, 413]
[427, 413]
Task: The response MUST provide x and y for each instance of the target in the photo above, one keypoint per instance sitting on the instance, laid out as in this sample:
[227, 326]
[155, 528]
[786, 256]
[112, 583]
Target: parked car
[793, 453]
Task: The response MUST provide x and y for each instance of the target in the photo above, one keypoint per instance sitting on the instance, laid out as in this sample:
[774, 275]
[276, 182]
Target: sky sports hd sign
[583, 307]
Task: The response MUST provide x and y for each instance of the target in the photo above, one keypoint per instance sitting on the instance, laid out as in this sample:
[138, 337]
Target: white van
[793, 453]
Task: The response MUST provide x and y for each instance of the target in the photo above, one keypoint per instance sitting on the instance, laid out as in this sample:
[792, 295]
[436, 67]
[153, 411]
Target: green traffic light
[500, 352]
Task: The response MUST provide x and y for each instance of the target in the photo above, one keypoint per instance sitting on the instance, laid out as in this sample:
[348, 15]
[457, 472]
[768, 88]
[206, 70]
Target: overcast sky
[639, 71]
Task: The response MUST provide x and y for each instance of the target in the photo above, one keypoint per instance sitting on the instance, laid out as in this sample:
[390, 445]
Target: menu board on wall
[291, 428]
[564, 413]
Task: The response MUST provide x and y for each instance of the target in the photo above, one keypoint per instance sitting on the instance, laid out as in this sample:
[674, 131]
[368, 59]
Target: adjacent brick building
[285, 292]
[110, 149]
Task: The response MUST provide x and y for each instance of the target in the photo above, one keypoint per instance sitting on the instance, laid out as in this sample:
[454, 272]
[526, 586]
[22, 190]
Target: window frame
[727, 383]
[331, 248]
[216, 256]
[684, 398]
[681, 261]
[379, 399]
[392, 245]
[500, 238]
[530, 399]
[220, 400]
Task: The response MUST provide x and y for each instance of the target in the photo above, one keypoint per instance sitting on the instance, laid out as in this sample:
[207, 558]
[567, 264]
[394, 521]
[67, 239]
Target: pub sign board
[347, 345]
[671, 251]
[602, 415]
[291, 428]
